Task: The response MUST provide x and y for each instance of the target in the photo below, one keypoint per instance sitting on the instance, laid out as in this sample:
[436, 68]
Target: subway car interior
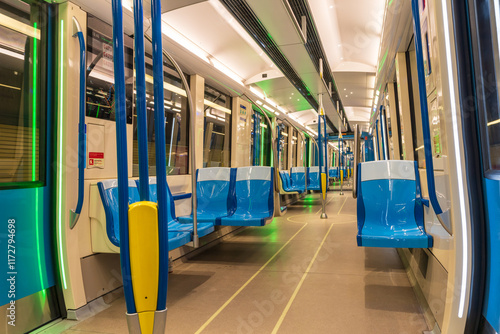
[250, 166]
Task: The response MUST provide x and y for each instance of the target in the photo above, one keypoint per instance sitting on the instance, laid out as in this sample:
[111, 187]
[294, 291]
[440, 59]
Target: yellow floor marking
[338, 213]
[247, 282]
[325, 205]
[287, 308]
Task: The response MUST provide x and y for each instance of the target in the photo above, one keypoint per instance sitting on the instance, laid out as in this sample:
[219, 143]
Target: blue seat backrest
[153, 197]
[283, 179]
[287, 179]
[254, 190]
[393, 187]
[298, 176]
[215, 192]
[108, 190]
[313, 176]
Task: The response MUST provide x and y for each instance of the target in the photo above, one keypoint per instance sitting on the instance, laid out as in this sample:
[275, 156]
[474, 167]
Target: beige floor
[299, 274]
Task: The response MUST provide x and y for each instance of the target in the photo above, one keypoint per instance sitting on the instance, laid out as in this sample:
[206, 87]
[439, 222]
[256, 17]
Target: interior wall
[241, 132]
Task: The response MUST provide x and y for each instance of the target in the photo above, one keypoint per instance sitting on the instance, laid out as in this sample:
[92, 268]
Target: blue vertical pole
[140, 84]
[378, 143]
[121, 149]
[325, 144]
[382, 134]
[320, 150]
[160, 149]
[429, 164]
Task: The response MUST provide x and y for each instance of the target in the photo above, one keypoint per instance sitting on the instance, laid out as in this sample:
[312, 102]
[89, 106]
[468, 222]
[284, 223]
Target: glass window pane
[100, 72]
[22, 111]
[217, 140]
[176, 122]
[493, 112]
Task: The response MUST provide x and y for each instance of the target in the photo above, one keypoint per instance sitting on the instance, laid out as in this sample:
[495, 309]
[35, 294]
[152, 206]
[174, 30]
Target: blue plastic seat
[215, 194]
[313, 178]
[286, 184]
[254, 205]
[333, 172]
[390, 206]
[298, 178]
[173, 223]
[108, 190]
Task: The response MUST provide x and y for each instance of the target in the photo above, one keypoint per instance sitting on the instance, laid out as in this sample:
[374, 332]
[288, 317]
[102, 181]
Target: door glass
[493, 112]
[21, 117]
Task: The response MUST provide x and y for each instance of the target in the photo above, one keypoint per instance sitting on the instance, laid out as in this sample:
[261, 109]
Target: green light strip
[262, 147]
[33, 153]
[38, 244]
[98, 108]
[382, 62]
[60, 149]
[33, 163]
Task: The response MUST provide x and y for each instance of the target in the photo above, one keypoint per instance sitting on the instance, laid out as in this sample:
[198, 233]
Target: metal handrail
[429, 165]
[82, 151]
[192, 108]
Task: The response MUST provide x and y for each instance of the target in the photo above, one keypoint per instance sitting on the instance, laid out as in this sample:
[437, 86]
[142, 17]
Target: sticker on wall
[107, 56]
[96, 159]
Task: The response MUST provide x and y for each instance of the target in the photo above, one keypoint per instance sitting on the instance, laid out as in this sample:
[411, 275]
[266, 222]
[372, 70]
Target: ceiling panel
[218, 38]
[284, 93]
[275, 18]
[299, 58]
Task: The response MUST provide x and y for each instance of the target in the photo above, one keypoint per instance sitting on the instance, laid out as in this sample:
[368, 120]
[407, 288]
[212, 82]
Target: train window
[284, 148]
[416, 117]
[265, 143]
[22, 94]
[100, 73]
[217, 140]
[487, 37]
[176, 122]
[294, 148]
[255, 138]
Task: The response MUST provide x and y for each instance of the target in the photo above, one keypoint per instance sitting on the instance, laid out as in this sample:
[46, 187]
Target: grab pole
[140, 86]
[74, 215]
[429, 165]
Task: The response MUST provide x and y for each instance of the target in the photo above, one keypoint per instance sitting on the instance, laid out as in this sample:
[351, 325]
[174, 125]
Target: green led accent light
[382, 62]
[33, 153]
[262, 147]
[33, 161]
[60, 159]
[98, 108]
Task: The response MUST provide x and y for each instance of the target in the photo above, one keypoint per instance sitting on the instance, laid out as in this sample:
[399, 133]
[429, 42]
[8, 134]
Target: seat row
[295, 181]
[225, 196]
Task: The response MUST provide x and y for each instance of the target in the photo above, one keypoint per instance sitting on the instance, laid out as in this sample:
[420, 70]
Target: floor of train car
[299, 274]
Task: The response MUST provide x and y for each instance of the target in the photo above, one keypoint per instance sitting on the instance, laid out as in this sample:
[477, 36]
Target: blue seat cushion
[377, 236]
[201, 218]
[178, 239]
[244, 220]
[203, 228]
